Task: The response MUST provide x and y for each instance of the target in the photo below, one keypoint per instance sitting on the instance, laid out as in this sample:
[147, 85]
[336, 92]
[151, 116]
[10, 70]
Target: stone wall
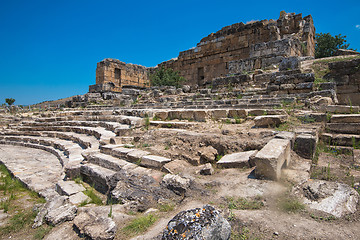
[346, 75]
[244, 47]
[113, 75]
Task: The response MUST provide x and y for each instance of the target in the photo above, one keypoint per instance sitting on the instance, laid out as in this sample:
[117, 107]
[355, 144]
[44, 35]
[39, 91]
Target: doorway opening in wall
[201, 75]
[118, 76]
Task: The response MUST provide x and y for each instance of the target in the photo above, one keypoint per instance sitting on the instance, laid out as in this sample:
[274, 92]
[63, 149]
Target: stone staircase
[343, 130]
[81, 142]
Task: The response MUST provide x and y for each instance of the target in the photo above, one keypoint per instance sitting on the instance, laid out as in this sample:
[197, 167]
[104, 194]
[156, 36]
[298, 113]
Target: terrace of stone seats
[211, 143]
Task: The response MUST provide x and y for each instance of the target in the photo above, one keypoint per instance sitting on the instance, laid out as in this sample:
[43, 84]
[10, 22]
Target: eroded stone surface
[38, 169]
[334, 198]
[176, 183]
[236, 160]
[93, 226]
[200, 223]
[68, 188]
[61, 214]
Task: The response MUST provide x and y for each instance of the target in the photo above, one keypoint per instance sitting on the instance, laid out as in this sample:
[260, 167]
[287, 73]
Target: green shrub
[326, 44]
[166, 77]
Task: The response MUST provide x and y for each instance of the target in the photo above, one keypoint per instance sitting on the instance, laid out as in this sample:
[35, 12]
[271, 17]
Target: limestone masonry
[237, 48]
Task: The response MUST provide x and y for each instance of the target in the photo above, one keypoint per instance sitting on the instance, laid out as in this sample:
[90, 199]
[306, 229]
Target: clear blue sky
[49, 49]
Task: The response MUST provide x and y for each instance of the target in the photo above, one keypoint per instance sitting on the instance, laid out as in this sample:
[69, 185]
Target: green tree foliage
[9, 101]
[166, 77]
[326, 45]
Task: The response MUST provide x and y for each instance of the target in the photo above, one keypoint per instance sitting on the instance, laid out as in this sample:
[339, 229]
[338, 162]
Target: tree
[9, 101]
[166, 77]
[326, 45]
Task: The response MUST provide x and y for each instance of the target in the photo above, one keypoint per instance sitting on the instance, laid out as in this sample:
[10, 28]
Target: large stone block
[217, 114]
[200, 115]
[237, 113]
[305, 145]
[271, 158]
[290, 63]
[287, 135]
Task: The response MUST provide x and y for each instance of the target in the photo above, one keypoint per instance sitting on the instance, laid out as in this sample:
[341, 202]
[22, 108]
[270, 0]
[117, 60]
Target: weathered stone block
[236, 160]
[290, 63]
[95, 226]
[269, 120]
[205, 222]
[68, 188]
[78, 198]
[136, 155]
[163, 115]
[255, 112]
[153, 161]
[59, 215]
[207, 154]
[120, 152]
[207, 169]
[287, 135]
[337, 199]
[176, 183]
[345, 118]
[271, 158]
[187, 114]
[217, 114]
[305, 145]
[237, 113]
[200, 115]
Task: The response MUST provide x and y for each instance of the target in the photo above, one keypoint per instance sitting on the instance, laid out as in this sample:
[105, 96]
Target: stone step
[84, 141]
[346, 127]
[140, 157]
[345, 118]
[98, 132]
[58, 154]
[111, 126]
[339, 109]
[102, 179]
[172, 124]
[85, 112]
[115, 164]
[106, 161]
[128, 120]
[271, 158]
[351, 140]
[71, 150]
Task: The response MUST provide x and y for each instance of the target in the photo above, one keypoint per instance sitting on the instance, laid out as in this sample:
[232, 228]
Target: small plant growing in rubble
[139, 225]
[9, 101]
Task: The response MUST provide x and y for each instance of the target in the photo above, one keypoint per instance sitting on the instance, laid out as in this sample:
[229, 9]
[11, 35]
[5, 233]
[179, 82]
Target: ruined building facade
[237, 48]
[112, 75]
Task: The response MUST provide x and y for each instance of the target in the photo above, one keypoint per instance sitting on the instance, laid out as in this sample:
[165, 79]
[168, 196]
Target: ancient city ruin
[261, 142]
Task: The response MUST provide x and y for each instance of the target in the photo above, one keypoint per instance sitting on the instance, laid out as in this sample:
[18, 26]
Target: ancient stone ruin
[234, 49]
[261, 142]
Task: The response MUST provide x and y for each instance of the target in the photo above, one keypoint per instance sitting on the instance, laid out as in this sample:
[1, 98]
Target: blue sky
[49, 49]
